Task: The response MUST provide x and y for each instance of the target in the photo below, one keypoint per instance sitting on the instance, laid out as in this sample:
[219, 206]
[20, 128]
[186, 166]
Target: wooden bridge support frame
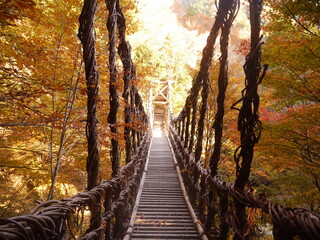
[161, 104]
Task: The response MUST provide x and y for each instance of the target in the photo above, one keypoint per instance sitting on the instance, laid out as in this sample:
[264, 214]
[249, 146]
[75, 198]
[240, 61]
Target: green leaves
[291, 113]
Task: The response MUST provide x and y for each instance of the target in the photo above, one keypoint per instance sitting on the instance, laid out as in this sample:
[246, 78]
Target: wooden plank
[162, 212]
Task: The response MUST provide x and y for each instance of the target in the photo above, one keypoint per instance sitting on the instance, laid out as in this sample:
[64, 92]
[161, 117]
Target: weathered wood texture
[162, 212]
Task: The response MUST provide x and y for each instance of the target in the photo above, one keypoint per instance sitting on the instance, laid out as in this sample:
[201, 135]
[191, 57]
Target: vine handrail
[110, 202]
[288, 222]
[212, 196]
[50, 220]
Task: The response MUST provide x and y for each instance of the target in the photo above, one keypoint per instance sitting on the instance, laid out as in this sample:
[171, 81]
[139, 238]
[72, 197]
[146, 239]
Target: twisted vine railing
[110, 203]
[288, 222]
[87, 38]
[51, 219]
[230, 201]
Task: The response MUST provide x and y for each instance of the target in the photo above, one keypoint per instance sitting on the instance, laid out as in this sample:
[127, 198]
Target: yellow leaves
[42, 105]
[13, 10]
[40, 62]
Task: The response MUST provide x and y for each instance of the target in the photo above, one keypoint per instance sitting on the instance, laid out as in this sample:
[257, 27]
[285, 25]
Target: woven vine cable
[186, 136]
[124, 50]
[193, 125]
[222, 83]
[249, 124]
[224, 17]
[114, 98]
[48, 219]
[232, 8]
[87, 38]
[226, 11]
[183, 127]
[133, 116]
[287, 222]
[218, 123]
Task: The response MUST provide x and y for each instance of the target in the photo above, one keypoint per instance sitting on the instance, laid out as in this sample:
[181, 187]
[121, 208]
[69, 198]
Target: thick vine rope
[49, 219]
[124, 50]
[248, 119]
[86, 36]
[232, 7]
[222, 83]
[52, 219]
[114, 98]
[235, 197]
[288, 222]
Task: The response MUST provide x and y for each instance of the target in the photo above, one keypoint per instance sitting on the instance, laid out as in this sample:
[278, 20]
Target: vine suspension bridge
[164, 191]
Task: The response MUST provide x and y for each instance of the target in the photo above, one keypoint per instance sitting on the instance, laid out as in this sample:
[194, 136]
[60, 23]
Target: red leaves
[270, 116]
[244, 47]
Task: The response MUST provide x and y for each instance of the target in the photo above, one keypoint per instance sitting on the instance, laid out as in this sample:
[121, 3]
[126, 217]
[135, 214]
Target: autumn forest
[43, 93]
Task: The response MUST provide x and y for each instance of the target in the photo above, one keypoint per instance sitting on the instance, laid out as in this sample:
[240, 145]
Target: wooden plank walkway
[162, 211]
